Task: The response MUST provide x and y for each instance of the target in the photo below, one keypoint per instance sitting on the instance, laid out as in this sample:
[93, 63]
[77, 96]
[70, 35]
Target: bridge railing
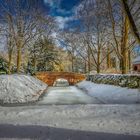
[50, 77]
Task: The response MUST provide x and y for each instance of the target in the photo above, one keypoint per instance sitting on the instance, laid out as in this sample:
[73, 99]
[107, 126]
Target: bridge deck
[50, 77]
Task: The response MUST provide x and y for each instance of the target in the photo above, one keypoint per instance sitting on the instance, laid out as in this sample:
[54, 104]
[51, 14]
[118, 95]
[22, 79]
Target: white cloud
[63, 11]
[50, 2]
[78, 7]
[53, 3]
[62, 21]
[54, 34]
[56, 4]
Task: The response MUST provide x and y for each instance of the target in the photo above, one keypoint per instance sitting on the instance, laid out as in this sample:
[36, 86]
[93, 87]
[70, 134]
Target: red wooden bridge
[50, 77]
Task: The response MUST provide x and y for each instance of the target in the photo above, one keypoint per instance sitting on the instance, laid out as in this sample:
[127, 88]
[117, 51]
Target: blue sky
[62, 10]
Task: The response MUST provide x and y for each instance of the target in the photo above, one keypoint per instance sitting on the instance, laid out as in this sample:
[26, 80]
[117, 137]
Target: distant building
[136, 64]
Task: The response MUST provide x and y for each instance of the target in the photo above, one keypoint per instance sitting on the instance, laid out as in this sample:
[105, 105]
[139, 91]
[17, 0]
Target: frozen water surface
[66, 95]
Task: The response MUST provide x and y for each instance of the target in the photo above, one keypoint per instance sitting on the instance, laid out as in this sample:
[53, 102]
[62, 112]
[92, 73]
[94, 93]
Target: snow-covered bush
[131, 81]
[3, 66]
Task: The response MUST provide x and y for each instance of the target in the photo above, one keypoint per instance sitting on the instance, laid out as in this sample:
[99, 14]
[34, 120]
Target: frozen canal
[66, 95]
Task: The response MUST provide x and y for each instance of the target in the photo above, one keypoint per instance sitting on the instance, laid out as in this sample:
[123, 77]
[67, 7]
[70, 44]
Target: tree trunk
[18, 59]
[98, 68]
[9, 63]
[89, 60]
[85, 67]
[98, 59]
[124, 45]
[35, 64]
[72, 64]
[131, 21]
[129, 60]
[108, 58]
[122, 65]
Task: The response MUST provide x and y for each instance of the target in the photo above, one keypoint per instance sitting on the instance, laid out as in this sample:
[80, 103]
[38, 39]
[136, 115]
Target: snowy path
[67, 95]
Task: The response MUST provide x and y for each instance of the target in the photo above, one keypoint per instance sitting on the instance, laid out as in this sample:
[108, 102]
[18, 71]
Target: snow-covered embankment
[110, 94]
[20, 88]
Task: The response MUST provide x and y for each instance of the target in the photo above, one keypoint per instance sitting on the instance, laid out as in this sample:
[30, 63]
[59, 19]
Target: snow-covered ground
[62, 122]
[72, 122]
[20, 88]
[110, 94]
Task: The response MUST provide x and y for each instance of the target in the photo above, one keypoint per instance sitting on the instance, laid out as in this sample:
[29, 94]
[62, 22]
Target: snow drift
[20, 88]
[109, 94]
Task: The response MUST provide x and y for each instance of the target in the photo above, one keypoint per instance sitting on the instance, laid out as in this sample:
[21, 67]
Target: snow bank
[115, 119]
[20, 88]
[111, 94]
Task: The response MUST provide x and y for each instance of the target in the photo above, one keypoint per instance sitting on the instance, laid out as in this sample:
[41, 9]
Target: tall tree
[43, 55]
[26, 22]
[131, 20]
[94, 21]
[120, 34]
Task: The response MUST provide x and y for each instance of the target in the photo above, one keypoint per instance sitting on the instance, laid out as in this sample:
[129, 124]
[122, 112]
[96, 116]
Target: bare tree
[120, 34]
[25, 23]
[95, 31]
